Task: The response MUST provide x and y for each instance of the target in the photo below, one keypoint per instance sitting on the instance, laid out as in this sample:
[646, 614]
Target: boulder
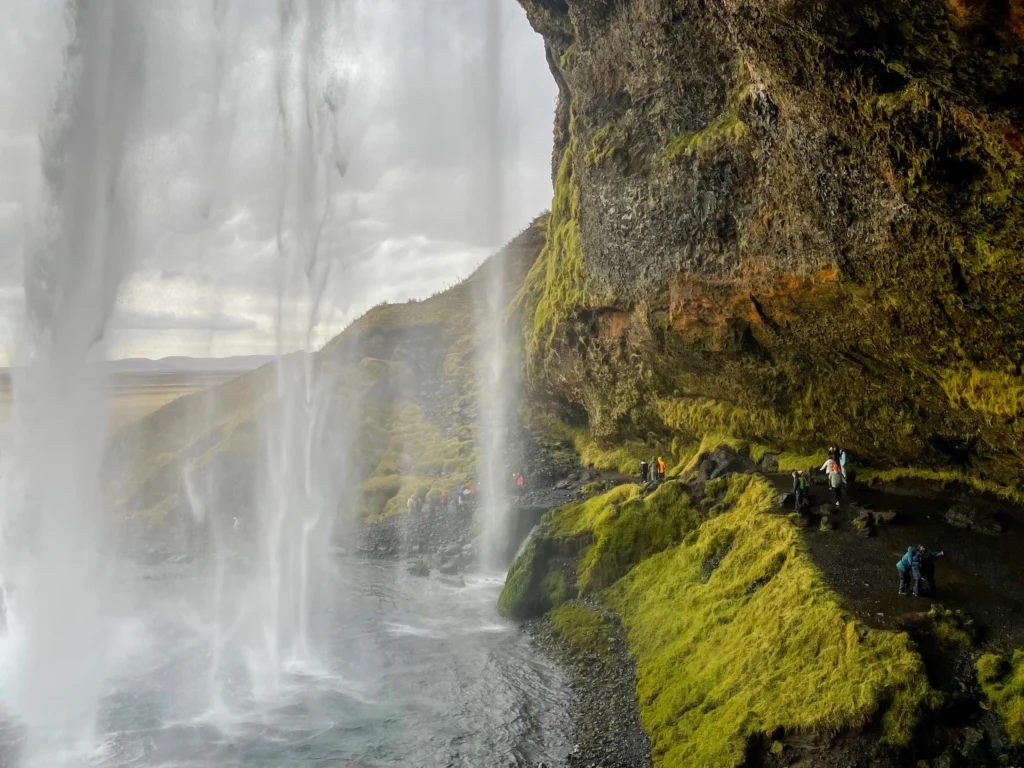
[865, 524]
[418, 568]
[886, 517]
[450, 567]
[827, 523]
[976, 515]
[804, 521]
[785, 499]
[827, 509]
[721, 462]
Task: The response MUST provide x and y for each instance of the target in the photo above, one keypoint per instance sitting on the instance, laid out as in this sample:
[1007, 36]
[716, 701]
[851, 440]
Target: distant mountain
[239, 363]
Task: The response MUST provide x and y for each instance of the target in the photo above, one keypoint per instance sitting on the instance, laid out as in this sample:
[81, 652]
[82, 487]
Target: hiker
[661, 468]
[842, 462]
[644, 470]
[835, 482]
[444, 499]
[799, 489]
[458, 495]
[904, 566]
[833, 453]
[922, 564]
[411, 504]
[520, 482]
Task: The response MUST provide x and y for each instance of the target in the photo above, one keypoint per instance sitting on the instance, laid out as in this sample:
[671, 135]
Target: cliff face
[792, 222]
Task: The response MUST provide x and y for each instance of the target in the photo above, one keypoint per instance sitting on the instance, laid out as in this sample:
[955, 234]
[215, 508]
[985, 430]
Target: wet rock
[450, 567]
[976, 515]
[723, 461]
[418, 568]
[865, 524]
[827, 509]
[785, 499]
[804, 521]
[827, 523]
[887, 517]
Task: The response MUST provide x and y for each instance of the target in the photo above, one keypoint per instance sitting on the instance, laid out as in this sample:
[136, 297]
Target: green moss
[566, 60]
[952, 626]
[945, 477]
[760, 644]
[554, 587]
[727, 128]
[601, 146]
[523, 597]
[789, 461]
[556, 285]
[622, 528]
[622, 456]
[583, 629]
[1002, 681]
[989, 392]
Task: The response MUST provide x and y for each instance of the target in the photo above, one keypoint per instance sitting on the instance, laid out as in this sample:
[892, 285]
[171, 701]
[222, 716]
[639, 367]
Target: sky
[426, 144]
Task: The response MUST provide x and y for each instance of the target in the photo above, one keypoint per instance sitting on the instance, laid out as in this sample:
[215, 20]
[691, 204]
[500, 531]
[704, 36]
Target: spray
[57, 551]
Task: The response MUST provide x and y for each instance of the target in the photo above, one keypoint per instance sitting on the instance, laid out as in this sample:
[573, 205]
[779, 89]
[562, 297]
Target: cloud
[228, 198]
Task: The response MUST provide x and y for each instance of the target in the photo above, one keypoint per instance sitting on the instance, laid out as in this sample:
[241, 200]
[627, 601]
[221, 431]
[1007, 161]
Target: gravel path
[608, 730]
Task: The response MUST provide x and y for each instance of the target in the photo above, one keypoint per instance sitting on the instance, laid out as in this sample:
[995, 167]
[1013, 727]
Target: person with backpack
[842, 462]
[644, 470]
[799, 489]
[661, 468]
[836, 481]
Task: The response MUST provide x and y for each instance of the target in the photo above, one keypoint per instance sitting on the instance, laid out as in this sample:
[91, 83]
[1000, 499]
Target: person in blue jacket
[917, 564]
[904, 566]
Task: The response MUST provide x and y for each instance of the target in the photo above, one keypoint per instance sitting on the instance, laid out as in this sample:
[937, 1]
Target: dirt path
[981, 574]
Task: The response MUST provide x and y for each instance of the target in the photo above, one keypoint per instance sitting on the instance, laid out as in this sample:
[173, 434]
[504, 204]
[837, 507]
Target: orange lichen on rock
[613, 324]
[702, 302]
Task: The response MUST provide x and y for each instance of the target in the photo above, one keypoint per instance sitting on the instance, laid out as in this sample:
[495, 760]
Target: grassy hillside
[402, 379]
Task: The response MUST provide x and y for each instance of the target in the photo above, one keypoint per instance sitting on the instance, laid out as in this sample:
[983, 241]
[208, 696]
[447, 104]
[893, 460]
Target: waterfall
[496, 377]
[57, 541]
[298, 493]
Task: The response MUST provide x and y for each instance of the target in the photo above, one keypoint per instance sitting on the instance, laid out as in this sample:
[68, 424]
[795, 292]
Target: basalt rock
[788, 222]
[723, 461]
[976, 515]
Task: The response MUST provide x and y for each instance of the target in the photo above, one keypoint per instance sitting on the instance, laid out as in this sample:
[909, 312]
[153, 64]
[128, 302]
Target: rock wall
[796, 222]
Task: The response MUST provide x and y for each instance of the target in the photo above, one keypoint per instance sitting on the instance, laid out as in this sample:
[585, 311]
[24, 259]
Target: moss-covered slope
[734, 631]
[792, 223]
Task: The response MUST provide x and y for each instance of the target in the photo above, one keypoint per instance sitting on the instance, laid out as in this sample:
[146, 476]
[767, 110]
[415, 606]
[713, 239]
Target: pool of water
[414, 672]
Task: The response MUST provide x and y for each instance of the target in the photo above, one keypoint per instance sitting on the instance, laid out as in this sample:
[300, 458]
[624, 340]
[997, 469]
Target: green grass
[1002, 681]
[583, 629]
[761, 644]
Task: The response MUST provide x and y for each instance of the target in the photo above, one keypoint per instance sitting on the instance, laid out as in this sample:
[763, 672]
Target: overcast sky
[407, 183]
